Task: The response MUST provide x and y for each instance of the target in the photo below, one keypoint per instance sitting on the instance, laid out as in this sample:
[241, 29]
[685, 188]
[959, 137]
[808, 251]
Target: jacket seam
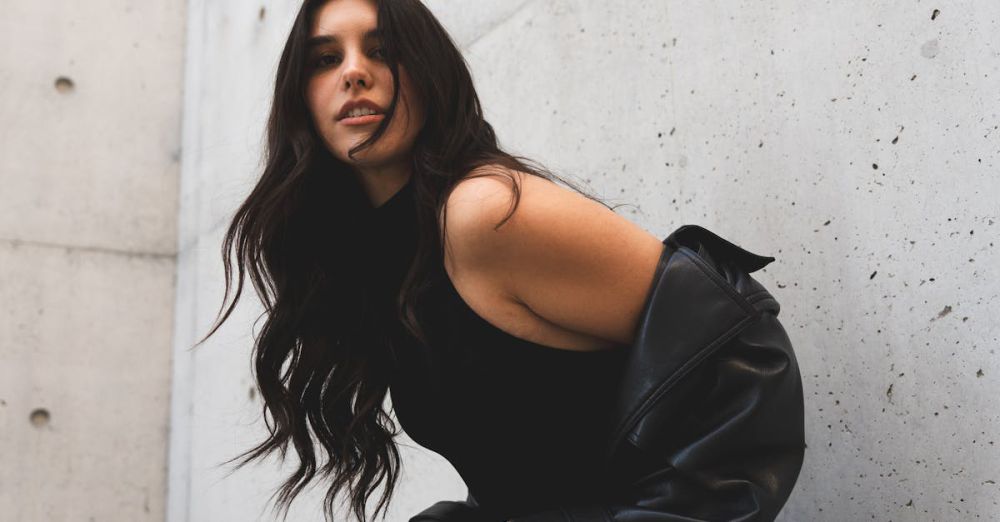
[686, 368]
[753, 297]
[752, 315]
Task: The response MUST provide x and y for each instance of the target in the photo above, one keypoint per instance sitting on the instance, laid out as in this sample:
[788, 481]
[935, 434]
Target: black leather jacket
[710, 413]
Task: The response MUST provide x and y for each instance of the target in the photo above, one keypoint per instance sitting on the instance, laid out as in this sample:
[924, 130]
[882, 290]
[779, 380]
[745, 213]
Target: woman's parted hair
[322, 368]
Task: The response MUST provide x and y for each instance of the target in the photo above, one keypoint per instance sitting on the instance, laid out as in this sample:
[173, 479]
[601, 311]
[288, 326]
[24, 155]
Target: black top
[524, 424]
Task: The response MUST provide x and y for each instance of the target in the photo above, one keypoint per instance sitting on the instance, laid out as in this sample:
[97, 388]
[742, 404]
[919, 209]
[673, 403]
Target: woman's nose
[356, 74]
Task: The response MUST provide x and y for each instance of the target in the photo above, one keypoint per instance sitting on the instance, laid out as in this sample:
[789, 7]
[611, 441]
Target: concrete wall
[90, 99]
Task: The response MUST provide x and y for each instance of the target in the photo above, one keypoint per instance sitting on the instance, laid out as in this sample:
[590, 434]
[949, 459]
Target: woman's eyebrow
[314, 41]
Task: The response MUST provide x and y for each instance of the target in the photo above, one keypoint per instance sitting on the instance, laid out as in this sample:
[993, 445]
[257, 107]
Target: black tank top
[525, 425]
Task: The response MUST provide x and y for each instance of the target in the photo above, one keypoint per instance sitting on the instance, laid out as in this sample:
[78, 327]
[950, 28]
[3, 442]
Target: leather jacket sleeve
[711, 424]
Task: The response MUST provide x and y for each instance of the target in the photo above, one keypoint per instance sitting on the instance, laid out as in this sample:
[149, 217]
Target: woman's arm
[569, 259]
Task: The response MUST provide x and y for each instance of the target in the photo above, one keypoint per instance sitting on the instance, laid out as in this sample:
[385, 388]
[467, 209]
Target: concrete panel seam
[89, 249]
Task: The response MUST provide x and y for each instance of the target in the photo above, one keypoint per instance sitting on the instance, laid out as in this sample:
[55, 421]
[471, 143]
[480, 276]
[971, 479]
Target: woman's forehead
[342, 19]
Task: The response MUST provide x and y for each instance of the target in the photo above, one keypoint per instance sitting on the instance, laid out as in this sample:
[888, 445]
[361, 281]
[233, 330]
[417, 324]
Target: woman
[396, 246]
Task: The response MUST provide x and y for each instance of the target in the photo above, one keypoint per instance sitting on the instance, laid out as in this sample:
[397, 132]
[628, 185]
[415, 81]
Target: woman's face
[348, 65]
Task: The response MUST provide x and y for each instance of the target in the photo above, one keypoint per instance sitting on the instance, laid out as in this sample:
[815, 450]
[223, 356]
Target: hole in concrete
[64, 84]
[39, 418]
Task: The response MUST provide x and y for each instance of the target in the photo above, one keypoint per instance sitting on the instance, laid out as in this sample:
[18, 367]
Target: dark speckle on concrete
[39, 417]
[935, 14]
[64, 84]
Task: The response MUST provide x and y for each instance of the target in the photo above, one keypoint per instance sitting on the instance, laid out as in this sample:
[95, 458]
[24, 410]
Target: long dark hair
[322, 371]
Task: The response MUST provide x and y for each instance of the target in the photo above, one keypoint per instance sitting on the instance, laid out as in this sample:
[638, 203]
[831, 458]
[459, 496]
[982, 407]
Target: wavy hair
[321, 367]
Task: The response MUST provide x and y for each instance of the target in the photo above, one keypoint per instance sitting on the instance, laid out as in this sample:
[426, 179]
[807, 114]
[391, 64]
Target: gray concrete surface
[90, 114]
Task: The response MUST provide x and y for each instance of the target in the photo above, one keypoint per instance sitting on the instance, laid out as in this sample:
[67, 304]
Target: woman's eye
[319, 61]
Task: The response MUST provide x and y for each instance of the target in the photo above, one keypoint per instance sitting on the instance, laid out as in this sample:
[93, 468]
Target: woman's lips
[362, 120]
